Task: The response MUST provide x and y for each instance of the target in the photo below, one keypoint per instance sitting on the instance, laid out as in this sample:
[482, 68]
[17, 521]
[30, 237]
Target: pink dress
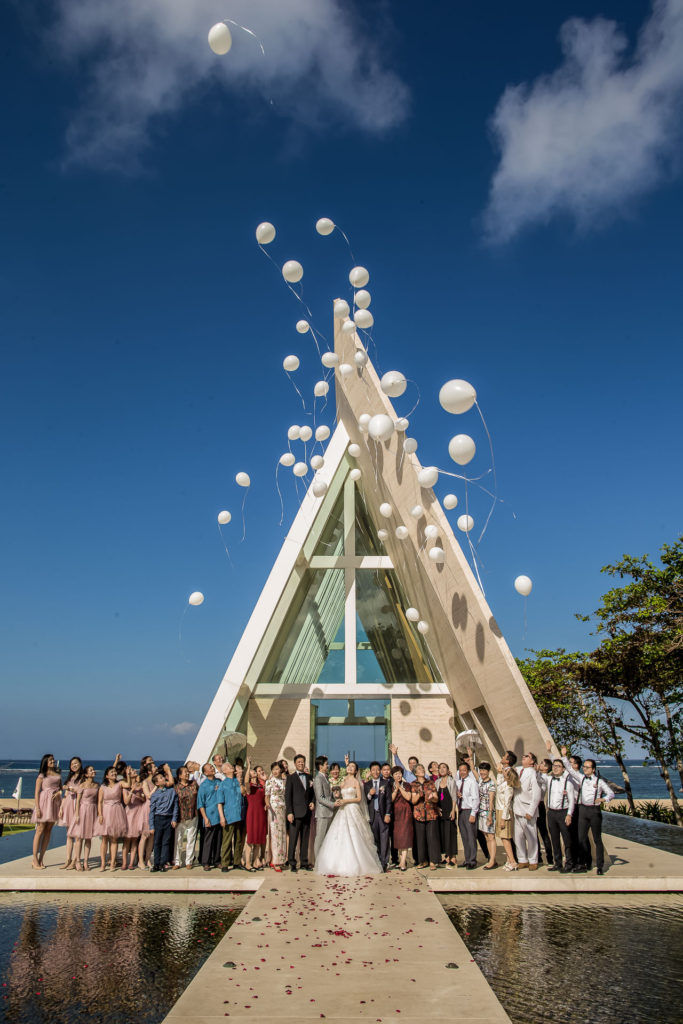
[137, 815]
[71, 791]
[49, 800]
[84, 828]
[115, 823]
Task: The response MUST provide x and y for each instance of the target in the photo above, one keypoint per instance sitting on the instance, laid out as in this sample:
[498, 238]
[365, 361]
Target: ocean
[646, 780]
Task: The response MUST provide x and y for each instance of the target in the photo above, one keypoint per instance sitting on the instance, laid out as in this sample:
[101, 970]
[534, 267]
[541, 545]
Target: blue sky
[525, 239]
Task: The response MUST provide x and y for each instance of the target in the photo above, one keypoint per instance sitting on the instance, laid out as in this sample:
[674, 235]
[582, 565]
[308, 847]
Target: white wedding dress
[349, 846]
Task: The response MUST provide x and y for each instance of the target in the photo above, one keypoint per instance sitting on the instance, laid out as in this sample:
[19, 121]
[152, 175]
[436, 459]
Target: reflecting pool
[111, 960]
[606, 960]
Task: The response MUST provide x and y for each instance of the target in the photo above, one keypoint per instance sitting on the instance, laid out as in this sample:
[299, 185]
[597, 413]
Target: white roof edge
[266, 605]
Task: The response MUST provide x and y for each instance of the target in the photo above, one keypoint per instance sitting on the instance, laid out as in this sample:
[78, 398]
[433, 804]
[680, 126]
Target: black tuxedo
[380, 827]
[298, 798]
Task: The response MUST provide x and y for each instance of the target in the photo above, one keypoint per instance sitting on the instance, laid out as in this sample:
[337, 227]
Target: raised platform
[307, 947]
[634, 868]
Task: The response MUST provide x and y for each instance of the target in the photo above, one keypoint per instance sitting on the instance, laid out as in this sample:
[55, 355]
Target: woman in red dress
[257, 819]
[402, 800]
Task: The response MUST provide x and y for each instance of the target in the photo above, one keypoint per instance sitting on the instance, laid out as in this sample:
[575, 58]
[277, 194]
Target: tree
[640, 658]
[573, 713]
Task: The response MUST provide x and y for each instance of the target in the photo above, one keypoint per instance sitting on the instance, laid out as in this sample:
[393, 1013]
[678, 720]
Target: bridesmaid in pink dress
[68, 808]
[85, 819]
[47, 802]
[137, 816]
[112, 825]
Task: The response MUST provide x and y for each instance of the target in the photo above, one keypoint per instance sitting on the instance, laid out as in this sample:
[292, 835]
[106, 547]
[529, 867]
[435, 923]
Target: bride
[349, 847]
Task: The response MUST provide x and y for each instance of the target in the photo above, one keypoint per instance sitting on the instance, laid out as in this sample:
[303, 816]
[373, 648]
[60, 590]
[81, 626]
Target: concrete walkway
[634, 868]
[309, 947]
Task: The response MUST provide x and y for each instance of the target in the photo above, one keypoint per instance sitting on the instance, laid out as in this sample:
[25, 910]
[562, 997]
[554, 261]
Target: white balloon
[401, 532]
[431, 531]
[354, 450]
[341, 309]
[364, 421]
[243, 479]
[319, 488]
[324, 226]
[437, 555]
[359, 277]
[300, 469]
[291, 363]
[363, 318]
[329, 359]
[220, 41]
[523, 585]
[462, 449]
[422, 626]
[386, 510]
[381, 427]
[457, 396]
[302, 326]
[402, 424]
[412, 615]
[410, 445]
[450, 501]
[322, 433]
[317, 462]
[287, 459]
[292, 271]
[321, 388]
[348, 327]
[383, 535]
[294, 432]
[417, 511]
[465, 523]
[196, 598]
[355, 474]
[360, 357]
[362, 299]
[305, 434]
[224, 518]
[393, 383]
[345, 370]
[265, 232]
[428, 476]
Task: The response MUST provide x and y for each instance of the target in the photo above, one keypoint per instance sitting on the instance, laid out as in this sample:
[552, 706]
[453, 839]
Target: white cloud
[145, 59]
[598, 132]
[182, 728]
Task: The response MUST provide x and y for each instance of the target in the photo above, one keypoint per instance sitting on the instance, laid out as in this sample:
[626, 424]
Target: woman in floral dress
[275, 804]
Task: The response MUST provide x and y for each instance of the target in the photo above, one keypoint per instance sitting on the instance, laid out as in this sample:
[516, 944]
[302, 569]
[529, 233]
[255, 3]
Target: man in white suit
[525, 808]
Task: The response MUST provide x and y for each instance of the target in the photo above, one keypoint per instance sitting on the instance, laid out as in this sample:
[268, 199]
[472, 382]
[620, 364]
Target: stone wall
[424, 726]
[278, 727]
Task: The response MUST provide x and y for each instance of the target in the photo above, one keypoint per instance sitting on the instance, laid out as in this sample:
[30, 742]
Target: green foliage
[552, 678]
[651, 810]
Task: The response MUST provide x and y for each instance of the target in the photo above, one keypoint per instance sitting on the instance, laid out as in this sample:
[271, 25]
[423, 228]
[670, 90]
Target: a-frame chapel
[328, 662]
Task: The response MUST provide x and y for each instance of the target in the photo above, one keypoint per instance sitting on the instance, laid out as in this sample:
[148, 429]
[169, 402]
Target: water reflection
[67, 958]
[608, 960]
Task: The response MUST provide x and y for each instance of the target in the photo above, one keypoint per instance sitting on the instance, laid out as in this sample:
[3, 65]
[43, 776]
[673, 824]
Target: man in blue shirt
[230, 793]
[163, 818]
[409, 772]
[207, 805]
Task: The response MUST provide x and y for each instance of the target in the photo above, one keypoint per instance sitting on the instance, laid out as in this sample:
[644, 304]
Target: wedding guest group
[234, 816]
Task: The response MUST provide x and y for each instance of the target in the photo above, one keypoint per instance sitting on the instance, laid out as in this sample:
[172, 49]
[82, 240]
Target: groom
[299, 802]
[378, 795]
[324, 801]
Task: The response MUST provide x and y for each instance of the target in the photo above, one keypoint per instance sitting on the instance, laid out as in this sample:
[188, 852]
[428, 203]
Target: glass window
[310, 645]
[367, 541]
[332, 538]
[389, 649]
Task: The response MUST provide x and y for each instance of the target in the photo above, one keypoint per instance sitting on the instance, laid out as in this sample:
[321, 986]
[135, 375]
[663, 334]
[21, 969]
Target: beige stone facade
[424, 727]
[278, 727]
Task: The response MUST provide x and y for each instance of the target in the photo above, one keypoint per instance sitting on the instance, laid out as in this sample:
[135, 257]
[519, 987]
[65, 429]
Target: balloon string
[469, 541]
[229, 21]
[293, 290]
[296, 388]
[315, 338]
[180, 632]
[419, 397]
[493, 469]
[525, 623]
[220, 534]
[244, 521]
[345, 237]
[277, 484]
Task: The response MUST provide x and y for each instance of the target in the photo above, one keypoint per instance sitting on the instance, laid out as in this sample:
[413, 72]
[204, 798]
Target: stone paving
[309, 947]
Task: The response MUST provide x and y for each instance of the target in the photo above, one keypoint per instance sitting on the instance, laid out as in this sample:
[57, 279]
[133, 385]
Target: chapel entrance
[358, 727]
